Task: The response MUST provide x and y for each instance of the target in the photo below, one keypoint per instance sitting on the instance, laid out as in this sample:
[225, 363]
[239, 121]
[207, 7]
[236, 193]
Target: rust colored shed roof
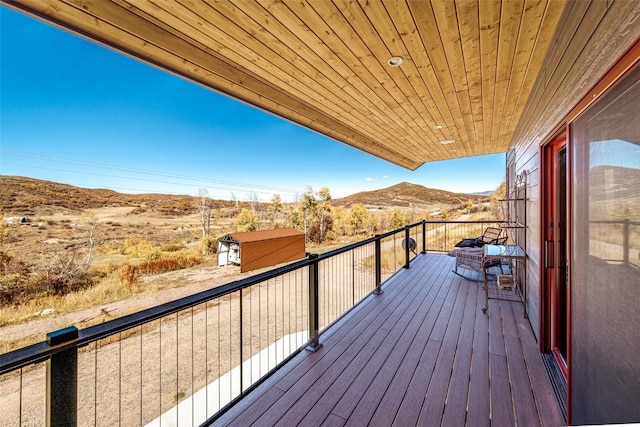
[255, 236]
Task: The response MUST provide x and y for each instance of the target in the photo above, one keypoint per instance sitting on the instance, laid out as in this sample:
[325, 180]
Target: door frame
[547, 305]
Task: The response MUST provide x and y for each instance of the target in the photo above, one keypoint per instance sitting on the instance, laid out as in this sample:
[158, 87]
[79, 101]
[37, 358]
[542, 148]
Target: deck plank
[501, 402]
[321, 368]
[521, 390]
[422, 352]
[434, 402]
[410, 409]
[359, 344]
[362, 368]
[479, 391]
[496, 333]
[395, 392]
[547, 406]
[311, 365]
[373, 380]
[455, 412]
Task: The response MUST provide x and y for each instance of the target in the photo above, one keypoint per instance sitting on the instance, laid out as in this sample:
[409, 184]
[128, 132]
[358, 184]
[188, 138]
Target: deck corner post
[424, 236]
[378, 263]
[62, 380]
[314, 336]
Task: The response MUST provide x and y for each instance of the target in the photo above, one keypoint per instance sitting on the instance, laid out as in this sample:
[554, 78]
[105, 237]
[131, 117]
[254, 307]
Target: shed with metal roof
[256, 249]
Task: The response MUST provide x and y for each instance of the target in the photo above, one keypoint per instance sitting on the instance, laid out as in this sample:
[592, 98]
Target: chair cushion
[469, 243]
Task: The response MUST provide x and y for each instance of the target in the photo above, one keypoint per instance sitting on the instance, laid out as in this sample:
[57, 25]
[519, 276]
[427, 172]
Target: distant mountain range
[483, 193]
[406, 194]
[21, 195]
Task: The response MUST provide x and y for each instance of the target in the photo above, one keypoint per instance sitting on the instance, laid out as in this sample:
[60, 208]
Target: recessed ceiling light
[447, 141]
[394, 61]
[437, 127]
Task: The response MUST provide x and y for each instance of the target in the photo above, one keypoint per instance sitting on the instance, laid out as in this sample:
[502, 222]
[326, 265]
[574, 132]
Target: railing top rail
[484, 221]
[32, 354]
[41, 351]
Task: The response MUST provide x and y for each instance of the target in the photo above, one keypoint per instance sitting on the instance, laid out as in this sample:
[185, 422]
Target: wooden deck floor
[422, 353]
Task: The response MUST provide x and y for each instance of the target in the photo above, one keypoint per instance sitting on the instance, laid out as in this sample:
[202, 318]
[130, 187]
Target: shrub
[138, 210]
[101, 271]
[141, 248]
[171, 247]
[128, 274]
[11, 286]
[209, 245]
[163, 265]
[313, 232]
[9, 265]
[61, 275]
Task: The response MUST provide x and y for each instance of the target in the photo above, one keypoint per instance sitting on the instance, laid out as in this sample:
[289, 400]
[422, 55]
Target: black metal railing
[189, 359]
[442, 236]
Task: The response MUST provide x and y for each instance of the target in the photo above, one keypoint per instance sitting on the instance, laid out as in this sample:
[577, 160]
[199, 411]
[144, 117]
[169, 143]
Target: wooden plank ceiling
[469, 65]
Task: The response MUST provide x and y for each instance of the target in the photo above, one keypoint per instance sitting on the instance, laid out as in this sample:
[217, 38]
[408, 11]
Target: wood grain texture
[592, 36]
[469, 65]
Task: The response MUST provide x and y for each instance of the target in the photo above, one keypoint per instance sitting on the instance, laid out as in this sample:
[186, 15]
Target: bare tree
[254, 203]
[276, 208]
[92, 222]
[254, 200]
[235, 199]
[204, 208]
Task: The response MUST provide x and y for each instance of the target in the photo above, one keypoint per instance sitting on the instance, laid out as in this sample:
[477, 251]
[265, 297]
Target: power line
[230, 185]
[138, 170]
[139, 179]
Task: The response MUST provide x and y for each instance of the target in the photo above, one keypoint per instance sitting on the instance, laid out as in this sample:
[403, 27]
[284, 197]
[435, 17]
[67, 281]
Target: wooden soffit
[468, 65]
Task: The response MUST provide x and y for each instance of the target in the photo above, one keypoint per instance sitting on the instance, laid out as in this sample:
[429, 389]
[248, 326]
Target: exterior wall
[265, 253]
[593, 37]
[603, 371]
[528, 162]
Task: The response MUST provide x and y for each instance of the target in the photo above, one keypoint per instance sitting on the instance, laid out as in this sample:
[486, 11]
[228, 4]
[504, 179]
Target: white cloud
[377, 178]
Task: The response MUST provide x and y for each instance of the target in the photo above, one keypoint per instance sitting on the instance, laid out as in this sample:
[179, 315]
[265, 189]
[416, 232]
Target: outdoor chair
[491, 236]
[469, 254]
[471, 260]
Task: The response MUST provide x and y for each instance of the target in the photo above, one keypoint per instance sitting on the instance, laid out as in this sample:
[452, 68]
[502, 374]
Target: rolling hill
[21, 196]
[406, 195]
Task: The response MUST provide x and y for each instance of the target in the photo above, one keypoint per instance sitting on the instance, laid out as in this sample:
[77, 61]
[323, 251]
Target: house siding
[596, 35]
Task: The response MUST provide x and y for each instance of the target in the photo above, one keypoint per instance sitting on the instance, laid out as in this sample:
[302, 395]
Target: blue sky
[75, 112]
